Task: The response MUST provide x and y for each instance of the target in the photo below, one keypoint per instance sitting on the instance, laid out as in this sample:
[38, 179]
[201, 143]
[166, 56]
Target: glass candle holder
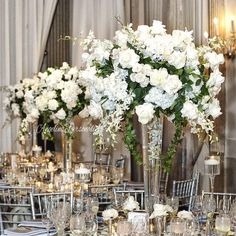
[212, 168]
[124, 228]
[178, 227]
[222, 224]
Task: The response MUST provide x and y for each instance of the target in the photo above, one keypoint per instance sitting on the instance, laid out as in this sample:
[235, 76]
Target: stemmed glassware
[212, 168]
[60, 215]
[46, 221]
[197, 209]
[174, 203]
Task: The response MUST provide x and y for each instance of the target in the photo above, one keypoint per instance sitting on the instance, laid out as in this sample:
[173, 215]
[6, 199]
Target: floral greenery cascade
[150, 72]
[56, 95]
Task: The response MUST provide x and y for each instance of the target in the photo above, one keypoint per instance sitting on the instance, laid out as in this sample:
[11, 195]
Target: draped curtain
[24, 27]
[100, 17]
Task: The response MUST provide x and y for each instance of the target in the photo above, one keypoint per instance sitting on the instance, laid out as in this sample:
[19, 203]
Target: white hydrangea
[159, 98]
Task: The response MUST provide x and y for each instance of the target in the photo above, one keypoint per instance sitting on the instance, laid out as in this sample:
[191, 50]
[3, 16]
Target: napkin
[26, 231]
[33, 223]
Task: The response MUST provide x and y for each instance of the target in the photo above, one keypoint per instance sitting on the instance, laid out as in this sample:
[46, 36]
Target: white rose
[53, 104]
[158, 77]
[187, 215]
[95, 110]
[110, 214]
[160, 210]
[34, 113]
[213, 109]
[190, 110]
[172, 85]
[145, 113]
[216, 79]
[121, 38]
[41, 102]
[16, 109]
[130, 204]
[157, 27]
[84, 113]
[65, 66]
[19, 94]
[177, 59]
[128, 58]
[214, 59]
[61, 114]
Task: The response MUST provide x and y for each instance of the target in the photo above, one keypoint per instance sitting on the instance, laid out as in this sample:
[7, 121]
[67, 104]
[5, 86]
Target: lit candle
[232, 25]
[216, 26]
[212, 161]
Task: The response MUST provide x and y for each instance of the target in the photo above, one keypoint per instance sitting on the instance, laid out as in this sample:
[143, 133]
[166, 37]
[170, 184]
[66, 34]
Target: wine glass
[174, 203]
[95, 205]
[212, 168]
[77, 224]
[232, 213]
[197, 209]
[60, 215]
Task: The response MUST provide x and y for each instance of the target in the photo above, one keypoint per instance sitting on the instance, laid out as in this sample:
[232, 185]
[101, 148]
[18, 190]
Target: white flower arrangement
[110, 214]
[149, 72]
[186, 215]
[55, 95]
[130, 204]
[161, 210]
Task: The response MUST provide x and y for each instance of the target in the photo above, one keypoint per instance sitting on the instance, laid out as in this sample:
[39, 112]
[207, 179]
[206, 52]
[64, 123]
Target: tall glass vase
[151, 150]
[67, 152]
[67, 141]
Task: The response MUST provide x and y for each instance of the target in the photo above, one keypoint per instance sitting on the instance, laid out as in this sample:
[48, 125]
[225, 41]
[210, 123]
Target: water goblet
[222, 224]
[95, 205]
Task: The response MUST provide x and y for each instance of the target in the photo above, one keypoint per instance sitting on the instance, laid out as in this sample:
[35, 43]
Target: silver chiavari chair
[223, 200]
[138, 195]
[185, 190]
[14, 205]
[40, 202]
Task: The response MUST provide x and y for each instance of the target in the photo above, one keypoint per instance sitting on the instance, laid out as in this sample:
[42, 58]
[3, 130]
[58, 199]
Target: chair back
[138, 195]
[14, 205]
[40, 202]
[223, 200]
[185, 190]
[164, 177]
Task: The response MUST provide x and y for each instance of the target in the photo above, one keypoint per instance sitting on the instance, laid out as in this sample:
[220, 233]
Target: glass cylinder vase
[67, 141]
[151, 150]
[67, 152]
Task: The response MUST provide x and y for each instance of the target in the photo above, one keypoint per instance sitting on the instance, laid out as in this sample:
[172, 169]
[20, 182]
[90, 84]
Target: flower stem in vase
[110, 227]
[212, 181]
